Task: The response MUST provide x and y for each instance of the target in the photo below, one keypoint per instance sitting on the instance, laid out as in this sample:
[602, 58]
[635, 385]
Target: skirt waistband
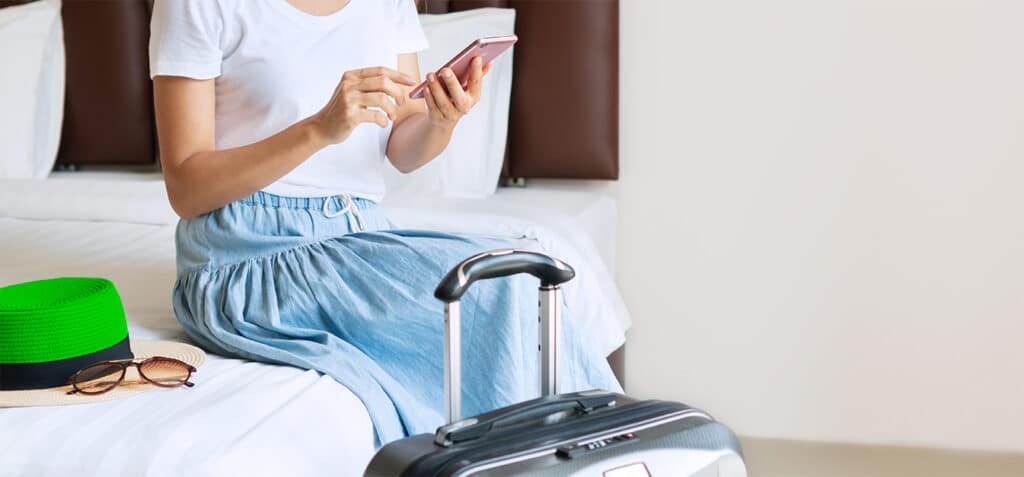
[334, 202]
[265, 224]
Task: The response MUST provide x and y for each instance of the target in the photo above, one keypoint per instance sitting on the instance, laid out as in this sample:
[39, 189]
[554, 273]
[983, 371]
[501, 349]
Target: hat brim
[132, 384]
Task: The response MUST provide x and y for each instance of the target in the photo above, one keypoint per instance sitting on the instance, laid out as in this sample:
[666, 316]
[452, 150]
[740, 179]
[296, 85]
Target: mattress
[241, 417]
[583, 211]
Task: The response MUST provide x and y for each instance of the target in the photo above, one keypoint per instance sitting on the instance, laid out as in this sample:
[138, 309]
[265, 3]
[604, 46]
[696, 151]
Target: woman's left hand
[448, 103]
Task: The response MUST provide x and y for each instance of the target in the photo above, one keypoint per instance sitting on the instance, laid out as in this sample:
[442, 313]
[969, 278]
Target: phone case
[486, 48]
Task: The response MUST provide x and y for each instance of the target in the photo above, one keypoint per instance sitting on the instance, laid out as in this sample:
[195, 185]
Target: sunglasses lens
[165, 372]
[98, 378]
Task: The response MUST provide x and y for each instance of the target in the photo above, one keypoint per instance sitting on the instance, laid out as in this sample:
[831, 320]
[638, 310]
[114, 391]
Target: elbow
[185, 214]
[405, 167]
[403, 162]
[184, 211]
[181, 194]
[181, 206]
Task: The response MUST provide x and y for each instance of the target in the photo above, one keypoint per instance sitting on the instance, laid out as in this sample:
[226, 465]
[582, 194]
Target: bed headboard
[108, 104]
[566, 66]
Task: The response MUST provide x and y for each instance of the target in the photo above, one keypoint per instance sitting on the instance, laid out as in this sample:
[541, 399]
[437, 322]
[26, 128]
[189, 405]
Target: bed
[107, 215]
[242, 417]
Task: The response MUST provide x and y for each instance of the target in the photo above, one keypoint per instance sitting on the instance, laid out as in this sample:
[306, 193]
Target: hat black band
[14, 377]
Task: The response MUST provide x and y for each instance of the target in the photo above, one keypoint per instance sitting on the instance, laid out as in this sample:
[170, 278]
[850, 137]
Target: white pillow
[31, 88]
[469, 167]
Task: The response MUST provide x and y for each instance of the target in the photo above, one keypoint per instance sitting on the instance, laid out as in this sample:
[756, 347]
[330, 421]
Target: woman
[275, 118]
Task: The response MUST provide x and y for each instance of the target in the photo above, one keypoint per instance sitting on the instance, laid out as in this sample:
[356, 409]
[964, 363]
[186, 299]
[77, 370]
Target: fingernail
[431, 77]
[447, 73]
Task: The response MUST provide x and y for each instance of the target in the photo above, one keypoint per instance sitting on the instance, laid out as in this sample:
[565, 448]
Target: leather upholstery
[444, 6]
[566, 67]
[108, 115]
[108, 104]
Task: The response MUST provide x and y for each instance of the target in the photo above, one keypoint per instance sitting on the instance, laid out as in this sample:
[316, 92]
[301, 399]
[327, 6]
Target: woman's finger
[441, 97]
[476, 77]
[371, 116]
[392, 74]
[432, 107]
[379, 100]
[462, 101]
[384, 85]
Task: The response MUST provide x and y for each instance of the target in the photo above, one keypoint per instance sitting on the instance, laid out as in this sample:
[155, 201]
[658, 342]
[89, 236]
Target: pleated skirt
[328, 284]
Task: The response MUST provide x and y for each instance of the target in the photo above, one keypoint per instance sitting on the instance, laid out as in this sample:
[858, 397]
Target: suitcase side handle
[579, 403]
[501, 263]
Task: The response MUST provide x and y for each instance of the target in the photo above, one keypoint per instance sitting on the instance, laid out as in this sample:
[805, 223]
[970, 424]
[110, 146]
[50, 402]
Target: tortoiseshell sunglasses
[102, 377]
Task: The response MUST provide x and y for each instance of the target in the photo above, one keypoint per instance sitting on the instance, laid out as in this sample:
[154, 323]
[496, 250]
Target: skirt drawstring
[355, 217]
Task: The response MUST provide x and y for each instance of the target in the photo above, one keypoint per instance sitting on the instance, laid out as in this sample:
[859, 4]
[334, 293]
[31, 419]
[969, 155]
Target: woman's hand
[424, 128]
[447, 104]
[359, 90]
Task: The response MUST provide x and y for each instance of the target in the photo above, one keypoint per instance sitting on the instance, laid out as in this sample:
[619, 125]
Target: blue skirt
[328, 284]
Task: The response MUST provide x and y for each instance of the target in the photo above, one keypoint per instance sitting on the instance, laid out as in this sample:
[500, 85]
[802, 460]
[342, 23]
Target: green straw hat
[50, 329]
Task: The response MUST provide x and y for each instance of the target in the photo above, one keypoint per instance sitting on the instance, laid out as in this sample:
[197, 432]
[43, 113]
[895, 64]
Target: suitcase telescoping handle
[500, 263]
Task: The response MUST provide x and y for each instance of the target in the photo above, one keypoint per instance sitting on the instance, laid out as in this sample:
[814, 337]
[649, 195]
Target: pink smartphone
[486, 48]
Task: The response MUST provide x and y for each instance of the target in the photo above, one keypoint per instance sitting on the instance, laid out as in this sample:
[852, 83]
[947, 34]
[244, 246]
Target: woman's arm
[424, 127]
[200, 179]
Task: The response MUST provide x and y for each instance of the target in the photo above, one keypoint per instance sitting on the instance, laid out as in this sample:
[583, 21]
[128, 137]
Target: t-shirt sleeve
[410, 33]
[184, 38]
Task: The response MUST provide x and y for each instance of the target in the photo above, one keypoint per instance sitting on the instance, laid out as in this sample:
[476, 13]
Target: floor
[779, 458]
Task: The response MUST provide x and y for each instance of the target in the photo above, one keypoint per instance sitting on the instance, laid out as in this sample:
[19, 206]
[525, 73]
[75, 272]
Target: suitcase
[587, 433]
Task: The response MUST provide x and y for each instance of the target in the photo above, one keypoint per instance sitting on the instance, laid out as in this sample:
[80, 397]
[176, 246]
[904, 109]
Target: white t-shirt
[276, 65]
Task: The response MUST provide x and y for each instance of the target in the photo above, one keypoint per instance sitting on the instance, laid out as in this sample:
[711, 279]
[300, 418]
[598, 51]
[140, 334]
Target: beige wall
[822, 215]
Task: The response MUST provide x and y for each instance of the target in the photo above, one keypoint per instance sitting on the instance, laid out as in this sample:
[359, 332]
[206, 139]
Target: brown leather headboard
[565, 93]
[108, 103]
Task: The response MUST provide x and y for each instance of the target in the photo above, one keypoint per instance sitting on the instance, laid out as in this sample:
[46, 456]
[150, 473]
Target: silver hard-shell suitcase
[580, 434]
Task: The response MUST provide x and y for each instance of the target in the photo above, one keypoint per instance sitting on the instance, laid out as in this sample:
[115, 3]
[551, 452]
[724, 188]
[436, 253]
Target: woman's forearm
[200, 178]
[209, 180]
[420, 137]
[415, 141]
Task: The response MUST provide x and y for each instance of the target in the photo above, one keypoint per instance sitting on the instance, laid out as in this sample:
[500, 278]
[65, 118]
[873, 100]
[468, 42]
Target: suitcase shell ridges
[663, 442]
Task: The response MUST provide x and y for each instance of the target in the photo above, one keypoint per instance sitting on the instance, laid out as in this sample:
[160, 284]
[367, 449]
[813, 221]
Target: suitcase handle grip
[582, 402]
[500, 263]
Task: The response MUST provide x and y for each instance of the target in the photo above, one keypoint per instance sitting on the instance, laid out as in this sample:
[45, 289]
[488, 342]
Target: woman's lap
[360, 307]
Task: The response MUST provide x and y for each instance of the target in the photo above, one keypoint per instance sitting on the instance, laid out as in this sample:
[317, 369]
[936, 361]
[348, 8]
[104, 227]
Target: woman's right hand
[359, 90]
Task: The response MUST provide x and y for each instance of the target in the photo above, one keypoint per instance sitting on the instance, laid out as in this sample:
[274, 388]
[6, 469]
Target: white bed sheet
[242, 417]
[589, 205]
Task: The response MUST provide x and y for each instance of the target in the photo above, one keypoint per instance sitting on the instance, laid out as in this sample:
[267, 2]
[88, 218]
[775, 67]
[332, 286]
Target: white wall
[822, 215]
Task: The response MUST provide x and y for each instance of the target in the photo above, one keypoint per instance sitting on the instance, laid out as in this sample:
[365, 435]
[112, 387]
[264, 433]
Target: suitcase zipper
[551, 449]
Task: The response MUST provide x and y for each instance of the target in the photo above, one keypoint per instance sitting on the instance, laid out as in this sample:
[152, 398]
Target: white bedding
[242, 417]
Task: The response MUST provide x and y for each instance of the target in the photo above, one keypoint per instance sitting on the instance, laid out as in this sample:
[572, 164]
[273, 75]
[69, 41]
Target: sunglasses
[104, 376]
